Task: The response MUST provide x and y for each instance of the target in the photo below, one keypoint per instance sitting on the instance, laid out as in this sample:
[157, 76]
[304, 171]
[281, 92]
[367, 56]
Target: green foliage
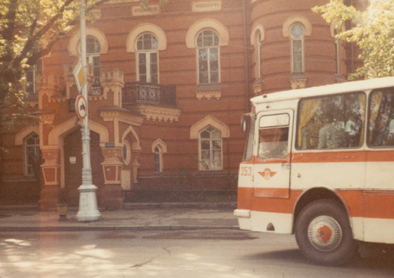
[28, 31]
[372, 30]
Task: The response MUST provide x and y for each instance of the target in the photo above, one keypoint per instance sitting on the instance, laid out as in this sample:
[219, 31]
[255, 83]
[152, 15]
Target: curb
[115, 228]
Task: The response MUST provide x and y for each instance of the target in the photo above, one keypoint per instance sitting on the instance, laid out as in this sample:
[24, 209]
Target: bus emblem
[267, 174]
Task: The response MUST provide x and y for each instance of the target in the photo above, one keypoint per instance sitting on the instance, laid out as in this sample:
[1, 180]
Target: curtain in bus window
[307, 111]
[381, 120]
[331, 122]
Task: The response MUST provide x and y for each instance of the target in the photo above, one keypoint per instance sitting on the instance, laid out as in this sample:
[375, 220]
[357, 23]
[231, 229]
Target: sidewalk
[135, 217]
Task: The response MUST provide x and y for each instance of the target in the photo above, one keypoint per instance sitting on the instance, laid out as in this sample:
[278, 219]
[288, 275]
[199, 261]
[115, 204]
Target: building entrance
[73, 164]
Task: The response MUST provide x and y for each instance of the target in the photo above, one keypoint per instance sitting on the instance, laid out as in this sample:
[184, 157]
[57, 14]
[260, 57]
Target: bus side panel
[379, 197]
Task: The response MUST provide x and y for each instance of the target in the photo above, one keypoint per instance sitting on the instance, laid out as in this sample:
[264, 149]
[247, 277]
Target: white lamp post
[87, 198]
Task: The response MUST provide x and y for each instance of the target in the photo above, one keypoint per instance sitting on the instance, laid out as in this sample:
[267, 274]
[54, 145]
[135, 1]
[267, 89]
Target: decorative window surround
[152, 112]
[208, 91]
[298, 80]
[212, 121]
[257, 87]
[73, 45]
[146, 28]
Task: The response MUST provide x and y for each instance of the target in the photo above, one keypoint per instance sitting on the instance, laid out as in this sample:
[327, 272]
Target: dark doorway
[73, 163]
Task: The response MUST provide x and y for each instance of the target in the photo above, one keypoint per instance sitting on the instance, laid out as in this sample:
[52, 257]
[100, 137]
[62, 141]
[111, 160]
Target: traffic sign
[79, 76]
[81, 107]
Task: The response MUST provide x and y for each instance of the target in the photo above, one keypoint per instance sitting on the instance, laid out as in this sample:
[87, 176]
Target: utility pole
[87, 191]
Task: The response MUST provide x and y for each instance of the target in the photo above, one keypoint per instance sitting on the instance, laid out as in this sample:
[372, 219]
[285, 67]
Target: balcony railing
[148, 93]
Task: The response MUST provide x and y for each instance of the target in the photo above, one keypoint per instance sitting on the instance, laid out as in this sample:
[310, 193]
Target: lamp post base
[88, 204]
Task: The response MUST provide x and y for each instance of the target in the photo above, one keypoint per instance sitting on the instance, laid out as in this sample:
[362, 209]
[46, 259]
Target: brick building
[167, 87]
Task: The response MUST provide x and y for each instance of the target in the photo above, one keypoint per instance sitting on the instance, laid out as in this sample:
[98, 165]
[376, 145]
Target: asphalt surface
[169, 216]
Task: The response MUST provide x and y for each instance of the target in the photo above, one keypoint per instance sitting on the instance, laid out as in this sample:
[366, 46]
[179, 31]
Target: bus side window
[273, 142]
[331, 122]
[381, 118]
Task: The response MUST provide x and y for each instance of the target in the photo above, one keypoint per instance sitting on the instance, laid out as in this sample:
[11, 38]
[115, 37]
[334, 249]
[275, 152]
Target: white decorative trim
[212, 121]
[333, 26]
[64, 128]
[253, 36]
[135, 145]
[206, 23]
[154, 113]
[294, 19]
[208, 95]
[160, 143]
[146, 28]
[73, 49]
[21, 135]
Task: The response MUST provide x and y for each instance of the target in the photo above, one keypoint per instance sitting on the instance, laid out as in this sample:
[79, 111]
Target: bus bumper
[244, 219]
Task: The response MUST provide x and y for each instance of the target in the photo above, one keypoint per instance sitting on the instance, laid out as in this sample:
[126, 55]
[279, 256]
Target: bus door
[272, 164]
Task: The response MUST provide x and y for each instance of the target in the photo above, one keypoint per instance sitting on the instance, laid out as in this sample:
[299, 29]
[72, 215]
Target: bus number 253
[246, 171]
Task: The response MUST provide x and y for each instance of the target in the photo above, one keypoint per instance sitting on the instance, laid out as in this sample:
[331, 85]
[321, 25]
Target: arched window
[126, 153]
[33, 75]
[208, 57]
[337, 54]
[259, 60]
[148, 58]
[210, 149]
[158, 159]
[32, 154]
[93, 57]
[297, 32]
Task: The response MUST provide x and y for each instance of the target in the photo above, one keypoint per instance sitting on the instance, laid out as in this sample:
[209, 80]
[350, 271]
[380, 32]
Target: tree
[372, 30]
[28, 31]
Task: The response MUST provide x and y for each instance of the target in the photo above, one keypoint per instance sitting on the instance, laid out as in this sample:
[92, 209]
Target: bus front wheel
[323, 233]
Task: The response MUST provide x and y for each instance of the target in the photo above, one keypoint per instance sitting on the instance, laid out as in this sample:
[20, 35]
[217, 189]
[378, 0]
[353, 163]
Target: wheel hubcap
[324, 233]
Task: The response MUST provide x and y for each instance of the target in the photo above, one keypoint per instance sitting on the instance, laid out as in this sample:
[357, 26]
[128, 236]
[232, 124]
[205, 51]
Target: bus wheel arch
[315, 194]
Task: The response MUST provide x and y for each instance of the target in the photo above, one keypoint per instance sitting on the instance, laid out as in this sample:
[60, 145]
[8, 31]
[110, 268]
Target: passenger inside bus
[331, 122]
[273, 142]
[332, 136]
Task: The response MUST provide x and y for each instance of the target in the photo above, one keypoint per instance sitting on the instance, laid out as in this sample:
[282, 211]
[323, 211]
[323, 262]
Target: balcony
[155, 101]
[148, 93]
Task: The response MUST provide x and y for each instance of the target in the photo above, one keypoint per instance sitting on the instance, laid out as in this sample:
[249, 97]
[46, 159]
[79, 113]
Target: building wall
[176, 25]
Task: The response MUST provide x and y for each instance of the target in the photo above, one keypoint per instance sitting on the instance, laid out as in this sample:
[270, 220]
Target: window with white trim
[210, 150]
[32, 153]
[158, 158]
[259, 60]
[148, 58]
[337, 55]
[297, 33]
[33, 76]
[93, 49]
[208, 57]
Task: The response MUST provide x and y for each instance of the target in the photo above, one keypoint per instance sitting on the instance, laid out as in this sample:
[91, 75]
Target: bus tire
[323, 233]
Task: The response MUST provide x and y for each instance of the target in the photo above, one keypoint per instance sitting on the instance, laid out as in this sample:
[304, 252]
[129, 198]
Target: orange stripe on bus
[359, 156]
[359, 203]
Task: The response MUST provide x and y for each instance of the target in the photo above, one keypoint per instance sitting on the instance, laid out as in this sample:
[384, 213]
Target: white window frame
[158, 159]
[301, 39]
[147, 53]
[209, 49]
[90, 56]
[259, 62]
[211, 160]
[36, 150]
[35, 73]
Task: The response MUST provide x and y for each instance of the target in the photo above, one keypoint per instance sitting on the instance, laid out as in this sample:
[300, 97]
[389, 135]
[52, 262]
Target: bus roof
[352, 86]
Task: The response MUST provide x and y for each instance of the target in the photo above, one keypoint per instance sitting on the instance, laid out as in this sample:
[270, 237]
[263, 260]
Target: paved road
[191, 254]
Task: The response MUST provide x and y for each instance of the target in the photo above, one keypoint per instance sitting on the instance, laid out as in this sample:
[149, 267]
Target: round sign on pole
[81, 107]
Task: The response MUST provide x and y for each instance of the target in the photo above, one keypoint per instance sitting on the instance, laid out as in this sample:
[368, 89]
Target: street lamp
[87, 191]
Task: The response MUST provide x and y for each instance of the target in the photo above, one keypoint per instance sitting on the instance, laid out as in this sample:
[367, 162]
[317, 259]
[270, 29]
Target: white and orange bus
[319, 163]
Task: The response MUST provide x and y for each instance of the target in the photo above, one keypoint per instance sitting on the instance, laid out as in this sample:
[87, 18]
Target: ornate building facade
[167, 87]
